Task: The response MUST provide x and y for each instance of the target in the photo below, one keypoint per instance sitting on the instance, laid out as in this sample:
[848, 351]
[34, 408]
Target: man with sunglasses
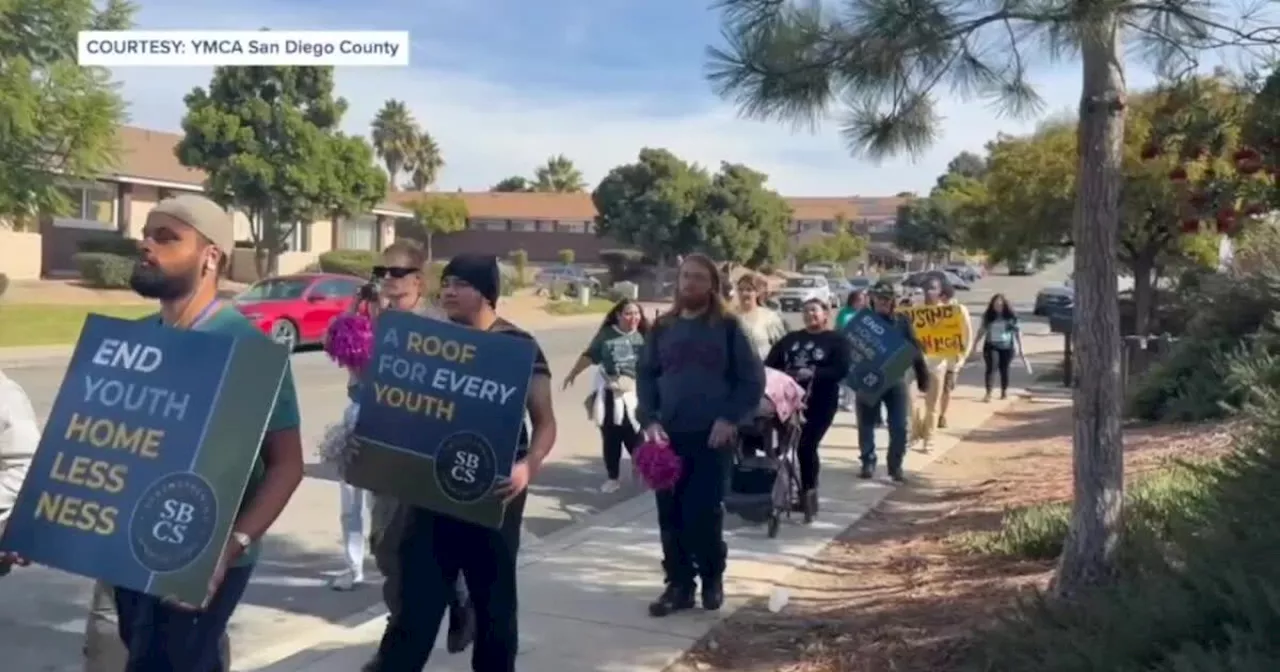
[436, 548]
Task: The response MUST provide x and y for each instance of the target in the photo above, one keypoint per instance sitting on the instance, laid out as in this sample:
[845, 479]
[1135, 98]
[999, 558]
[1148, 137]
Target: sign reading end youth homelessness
[880, 355]
[441, 413]
[148, 449]
[940, 329]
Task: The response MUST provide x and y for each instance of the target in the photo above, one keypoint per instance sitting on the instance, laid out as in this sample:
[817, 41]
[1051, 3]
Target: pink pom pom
[350, 341]
[658, 465]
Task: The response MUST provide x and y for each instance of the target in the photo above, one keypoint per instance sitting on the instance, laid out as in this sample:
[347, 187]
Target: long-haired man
[698, 380]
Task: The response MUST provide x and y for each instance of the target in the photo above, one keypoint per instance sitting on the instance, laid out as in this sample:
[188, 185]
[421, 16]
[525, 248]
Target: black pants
[691, 515]
[615, 436]
[435, 548]
[817, 420]
[997, 358]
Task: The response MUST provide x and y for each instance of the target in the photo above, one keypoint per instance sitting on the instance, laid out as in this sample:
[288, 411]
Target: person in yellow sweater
[942, 370]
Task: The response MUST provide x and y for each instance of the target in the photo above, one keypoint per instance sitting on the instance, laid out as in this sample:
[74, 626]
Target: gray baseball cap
[203, 215]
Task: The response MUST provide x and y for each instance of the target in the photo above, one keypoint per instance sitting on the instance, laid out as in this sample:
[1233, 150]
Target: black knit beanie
[478, 270]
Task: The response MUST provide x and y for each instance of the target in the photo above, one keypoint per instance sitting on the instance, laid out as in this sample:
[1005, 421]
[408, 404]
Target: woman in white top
[763, 326]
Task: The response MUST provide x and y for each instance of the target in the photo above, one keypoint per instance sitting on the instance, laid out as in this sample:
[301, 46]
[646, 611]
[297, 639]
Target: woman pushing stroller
[818, 358]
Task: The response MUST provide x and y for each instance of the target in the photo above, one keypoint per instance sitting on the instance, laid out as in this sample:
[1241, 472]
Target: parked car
[565, 278]
[947, 278]
[795, 291]
[968, 273]
[1055, 299]
[295, 310]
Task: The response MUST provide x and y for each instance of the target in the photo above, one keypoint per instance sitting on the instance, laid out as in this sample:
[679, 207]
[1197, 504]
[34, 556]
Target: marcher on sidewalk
[699, 380]
[614, 350]
[942, 370]
[185, 246]
[896, 399]
[1001, 337]
[433, 549]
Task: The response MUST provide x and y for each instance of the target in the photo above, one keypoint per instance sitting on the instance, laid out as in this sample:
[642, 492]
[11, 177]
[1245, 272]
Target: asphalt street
[42, 611]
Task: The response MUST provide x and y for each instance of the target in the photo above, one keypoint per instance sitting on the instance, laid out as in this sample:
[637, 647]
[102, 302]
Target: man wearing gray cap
[185, 248]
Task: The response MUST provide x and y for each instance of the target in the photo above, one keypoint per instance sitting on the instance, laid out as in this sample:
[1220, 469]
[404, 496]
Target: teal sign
[442, 408]
[146, 455]
[880, 354]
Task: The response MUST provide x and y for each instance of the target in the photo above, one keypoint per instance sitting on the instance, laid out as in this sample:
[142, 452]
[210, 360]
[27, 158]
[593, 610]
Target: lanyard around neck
[208, 311]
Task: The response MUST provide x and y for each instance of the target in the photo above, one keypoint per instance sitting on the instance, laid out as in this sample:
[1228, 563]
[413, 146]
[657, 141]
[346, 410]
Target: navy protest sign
[146, 455]
[441, 412]
[880, 355]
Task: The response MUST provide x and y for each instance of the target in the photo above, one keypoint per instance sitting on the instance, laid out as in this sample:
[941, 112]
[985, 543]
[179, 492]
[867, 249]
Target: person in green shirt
[615, 349]
[857, 300]
[185, 246]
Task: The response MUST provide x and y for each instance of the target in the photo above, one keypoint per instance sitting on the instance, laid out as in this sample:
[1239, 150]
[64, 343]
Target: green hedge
[118, 246]
[104, 271]
[359, 263]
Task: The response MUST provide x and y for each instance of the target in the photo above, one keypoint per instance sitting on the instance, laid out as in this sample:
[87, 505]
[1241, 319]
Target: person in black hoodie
[818, 358]
[895, 399]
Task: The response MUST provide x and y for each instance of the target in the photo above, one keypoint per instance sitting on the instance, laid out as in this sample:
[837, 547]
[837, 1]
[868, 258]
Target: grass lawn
[54, 324]
[575, 307]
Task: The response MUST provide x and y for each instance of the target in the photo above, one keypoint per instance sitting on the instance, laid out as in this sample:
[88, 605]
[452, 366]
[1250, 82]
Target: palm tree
[559, 175]
[395, 135]
[424, 163]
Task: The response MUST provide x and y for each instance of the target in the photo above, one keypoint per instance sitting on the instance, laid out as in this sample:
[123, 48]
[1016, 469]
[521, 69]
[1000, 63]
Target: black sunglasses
[396, 272]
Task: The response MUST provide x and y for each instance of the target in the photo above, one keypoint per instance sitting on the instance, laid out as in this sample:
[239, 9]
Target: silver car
[796, 291]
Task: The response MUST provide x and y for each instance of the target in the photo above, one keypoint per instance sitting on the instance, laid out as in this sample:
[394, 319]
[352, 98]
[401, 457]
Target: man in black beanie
[486, 558]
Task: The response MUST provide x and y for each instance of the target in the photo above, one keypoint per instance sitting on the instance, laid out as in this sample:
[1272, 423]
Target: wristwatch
[244, 540]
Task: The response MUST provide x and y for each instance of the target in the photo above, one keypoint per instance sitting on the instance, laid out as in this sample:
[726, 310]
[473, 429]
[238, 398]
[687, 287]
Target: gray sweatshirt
[19, 435]
[693, 372]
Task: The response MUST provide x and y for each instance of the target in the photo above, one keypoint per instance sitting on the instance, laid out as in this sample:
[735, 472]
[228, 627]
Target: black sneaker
[868, 471]
[1004, 395]
[674, 598]
[462, 627]
[896, 475]
[942, 422]
[712, 593]
[810, 506]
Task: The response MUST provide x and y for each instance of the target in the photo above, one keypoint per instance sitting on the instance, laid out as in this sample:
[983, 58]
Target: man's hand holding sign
[442, 416]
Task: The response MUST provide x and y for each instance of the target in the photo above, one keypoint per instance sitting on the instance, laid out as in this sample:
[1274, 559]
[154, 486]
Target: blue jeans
[895, 409]
[165, 638]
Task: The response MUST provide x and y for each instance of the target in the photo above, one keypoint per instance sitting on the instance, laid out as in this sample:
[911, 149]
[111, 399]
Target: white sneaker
[345, 581]
[610, 486]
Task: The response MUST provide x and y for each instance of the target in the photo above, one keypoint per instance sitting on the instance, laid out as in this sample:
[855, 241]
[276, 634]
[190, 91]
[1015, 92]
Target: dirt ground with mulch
[895, 592]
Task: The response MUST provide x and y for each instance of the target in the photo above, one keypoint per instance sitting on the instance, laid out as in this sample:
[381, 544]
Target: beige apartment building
[116, 205]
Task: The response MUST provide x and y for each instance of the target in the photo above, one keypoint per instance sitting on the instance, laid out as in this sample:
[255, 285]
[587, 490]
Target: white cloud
[488, 130]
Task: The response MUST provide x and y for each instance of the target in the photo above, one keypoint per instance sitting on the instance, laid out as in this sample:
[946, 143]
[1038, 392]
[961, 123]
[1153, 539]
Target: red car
[295, 310]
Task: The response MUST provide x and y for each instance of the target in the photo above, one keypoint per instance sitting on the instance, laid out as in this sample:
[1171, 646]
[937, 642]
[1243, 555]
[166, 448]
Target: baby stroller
[764, 484]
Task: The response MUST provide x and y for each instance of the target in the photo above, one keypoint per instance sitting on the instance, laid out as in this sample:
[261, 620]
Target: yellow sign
[940, 329]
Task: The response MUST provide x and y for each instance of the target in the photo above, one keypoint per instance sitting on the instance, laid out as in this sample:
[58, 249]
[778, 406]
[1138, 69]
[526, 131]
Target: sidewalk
[583, 595]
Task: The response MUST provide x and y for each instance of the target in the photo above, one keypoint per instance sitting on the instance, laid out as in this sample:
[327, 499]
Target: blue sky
[503, 84]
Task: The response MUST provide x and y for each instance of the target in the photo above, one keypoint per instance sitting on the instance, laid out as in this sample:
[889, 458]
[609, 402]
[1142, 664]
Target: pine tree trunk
[1097, 450]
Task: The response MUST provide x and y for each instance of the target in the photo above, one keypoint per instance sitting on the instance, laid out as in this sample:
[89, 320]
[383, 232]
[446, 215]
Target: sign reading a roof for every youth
[441, 412]
[880, 355]
[146, 455]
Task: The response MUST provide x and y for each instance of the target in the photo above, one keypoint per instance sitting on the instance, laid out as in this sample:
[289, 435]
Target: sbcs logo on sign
[465, 467]
[173, 522]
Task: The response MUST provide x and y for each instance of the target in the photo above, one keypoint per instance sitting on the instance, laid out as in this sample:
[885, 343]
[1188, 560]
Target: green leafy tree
[559, 175]
[652, 204]
[513, 184]
[57, 119]
[267, 138]
[437, 216]
[424, 163]
[841, 248]
[923, 226]
[353, 183]
[740, 220]
[884, 59]
[395, 138]
[1030, 185]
